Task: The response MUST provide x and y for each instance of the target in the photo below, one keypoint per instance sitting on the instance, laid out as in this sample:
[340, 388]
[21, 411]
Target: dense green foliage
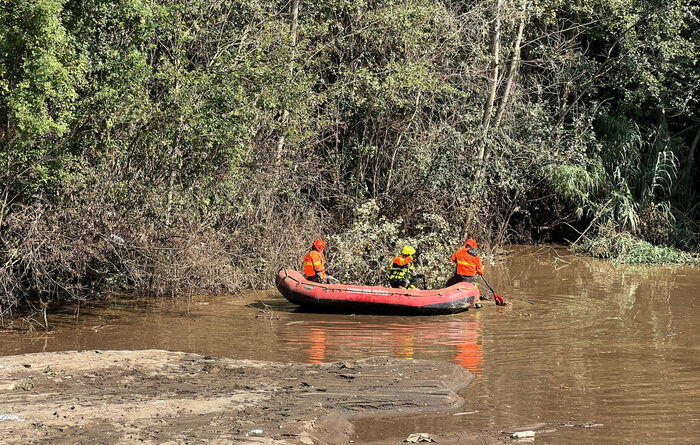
[196, 146]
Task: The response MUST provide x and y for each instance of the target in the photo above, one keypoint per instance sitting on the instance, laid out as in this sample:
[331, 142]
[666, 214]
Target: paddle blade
[499, 301]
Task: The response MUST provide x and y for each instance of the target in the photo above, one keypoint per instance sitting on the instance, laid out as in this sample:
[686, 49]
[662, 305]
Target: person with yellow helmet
[402, 273]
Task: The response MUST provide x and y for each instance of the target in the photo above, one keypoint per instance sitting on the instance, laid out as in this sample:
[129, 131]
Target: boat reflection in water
[457, 341]
[317, 346]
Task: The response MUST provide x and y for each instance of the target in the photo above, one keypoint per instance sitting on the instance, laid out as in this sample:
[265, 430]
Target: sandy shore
[156, 396]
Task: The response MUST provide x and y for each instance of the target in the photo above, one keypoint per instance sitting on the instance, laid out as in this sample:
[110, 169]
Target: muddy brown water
[606, 354]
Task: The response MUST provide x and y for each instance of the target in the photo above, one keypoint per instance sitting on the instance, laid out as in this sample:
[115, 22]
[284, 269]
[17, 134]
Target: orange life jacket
[402, 261]
[402, 269]
[467, 264]
[314, 265]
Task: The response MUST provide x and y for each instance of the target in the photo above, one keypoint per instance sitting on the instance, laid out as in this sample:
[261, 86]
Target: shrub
[363, 253]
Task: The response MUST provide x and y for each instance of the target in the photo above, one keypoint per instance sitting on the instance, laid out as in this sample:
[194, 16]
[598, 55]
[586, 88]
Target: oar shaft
[487, 284]
[497, 298]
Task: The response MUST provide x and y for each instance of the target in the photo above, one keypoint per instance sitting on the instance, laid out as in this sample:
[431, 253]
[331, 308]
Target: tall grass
[625, 248]
[626, 195]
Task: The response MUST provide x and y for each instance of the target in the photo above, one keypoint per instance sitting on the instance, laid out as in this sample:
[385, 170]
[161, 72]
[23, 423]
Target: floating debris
[10, 417]
[419, 437]
[523, 434]
[582, 425]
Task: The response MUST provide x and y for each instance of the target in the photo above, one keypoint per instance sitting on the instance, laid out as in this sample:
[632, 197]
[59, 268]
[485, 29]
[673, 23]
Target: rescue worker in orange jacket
[314, 265]
[468, 264]
[402, 273]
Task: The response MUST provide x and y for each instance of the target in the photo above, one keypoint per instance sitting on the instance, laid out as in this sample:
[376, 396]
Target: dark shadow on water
[283, 306]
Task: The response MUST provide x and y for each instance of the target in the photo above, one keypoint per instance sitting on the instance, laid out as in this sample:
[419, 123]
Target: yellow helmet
[408, 250]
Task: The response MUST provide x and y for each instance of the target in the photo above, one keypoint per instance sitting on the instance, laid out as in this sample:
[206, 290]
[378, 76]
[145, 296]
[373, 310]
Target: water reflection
[317, 346]
[456, 340]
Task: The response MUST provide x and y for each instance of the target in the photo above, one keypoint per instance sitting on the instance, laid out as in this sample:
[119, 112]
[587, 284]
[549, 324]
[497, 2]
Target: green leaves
[41, 69]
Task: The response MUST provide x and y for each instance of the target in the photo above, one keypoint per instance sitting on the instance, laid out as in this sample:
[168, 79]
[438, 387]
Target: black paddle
[497, 298]
[422, 277]
[419, 257]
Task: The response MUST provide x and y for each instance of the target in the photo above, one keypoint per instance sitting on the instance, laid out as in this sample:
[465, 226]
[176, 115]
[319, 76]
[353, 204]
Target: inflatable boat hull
[374, 299]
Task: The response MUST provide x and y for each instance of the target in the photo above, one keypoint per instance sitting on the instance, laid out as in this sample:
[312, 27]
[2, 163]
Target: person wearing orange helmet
[315, 266]
[467, 264]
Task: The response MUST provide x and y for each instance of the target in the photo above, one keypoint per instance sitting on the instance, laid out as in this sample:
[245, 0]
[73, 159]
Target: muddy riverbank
[155, 396]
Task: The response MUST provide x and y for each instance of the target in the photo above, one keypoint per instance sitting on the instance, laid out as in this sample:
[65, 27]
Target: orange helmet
[471, 242]
[319, 244]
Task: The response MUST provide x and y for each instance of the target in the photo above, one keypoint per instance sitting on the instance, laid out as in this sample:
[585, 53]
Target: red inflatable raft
[346, 297]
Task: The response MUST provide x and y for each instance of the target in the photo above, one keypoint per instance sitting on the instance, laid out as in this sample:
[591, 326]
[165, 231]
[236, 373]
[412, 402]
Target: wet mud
[155, 396]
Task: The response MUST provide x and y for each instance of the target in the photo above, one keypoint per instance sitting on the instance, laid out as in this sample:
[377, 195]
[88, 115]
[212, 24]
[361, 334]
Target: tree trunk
[555, 138]
[295, 23]
[488, 107]
[691, 160]
[285, 113]
[515, 61]
[279, 149]
[693, 146]
[3, 207]
[175, 166]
